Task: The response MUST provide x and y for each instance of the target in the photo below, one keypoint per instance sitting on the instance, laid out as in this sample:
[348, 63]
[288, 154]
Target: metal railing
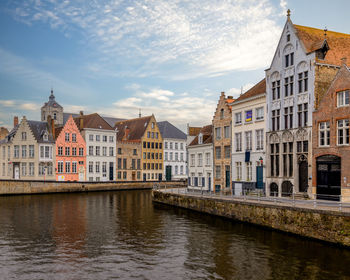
[333, 202]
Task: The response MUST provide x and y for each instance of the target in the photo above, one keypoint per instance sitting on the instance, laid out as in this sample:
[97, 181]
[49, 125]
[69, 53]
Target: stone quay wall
[17, 187]
[329, 226]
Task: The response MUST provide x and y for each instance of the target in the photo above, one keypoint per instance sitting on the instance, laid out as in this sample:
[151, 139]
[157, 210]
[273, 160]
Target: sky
[170, 58]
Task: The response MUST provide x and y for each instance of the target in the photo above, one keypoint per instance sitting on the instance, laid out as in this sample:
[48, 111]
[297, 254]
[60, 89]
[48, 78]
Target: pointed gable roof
[92, 121]
[136, 128]
[206, 131]
[313, 39]
[258, 89]
[167, 130]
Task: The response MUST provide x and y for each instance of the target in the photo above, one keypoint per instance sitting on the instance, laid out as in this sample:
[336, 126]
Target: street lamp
[261, 161]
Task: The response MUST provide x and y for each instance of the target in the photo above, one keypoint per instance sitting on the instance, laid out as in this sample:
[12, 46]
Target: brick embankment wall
[324, 225]
[13, 187]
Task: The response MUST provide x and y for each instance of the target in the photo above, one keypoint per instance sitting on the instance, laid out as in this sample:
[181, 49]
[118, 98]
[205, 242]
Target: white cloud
[157, 94]
[8, 103]
[29, 106]
[204, 37]
[283, 4]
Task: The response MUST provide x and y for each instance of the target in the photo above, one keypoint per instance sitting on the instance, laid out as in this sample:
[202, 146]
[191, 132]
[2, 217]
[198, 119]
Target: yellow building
[139, 150]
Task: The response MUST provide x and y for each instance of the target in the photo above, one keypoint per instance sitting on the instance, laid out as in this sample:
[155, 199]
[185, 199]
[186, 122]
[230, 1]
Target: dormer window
[200, 139]
[45, 137]
[289, 59]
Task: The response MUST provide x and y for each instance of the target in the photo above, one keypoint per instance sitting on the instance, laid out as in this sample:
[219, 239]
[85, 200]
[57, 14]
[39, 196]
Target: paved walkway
[297, 203]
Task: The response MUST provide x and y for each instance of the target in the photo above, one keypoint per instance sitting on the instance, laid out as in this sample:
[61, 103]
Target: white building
[100, 140]
[175, 156]
[200, 160]
[248, 139]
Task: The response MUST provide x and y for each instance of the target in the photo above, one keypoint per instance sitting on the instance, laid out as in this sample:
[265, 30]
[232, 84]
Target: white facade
[200, 167]
[248, 138]
[100, 154]
[290, 98]
[175, 157]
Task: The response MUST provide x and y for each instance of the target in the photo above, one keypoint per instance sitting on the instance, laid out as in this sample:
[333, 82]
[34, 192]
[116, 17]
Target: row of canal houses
[77, 147]
[288, 134]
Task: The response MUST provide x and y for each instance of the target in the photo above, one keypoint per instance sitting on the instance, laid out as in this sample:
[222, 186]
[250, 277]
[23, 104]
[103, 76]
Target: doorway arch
[273, 189]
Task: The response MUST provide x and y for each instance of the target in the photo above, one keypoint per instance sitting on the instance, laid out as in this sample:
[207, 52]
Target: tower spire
[288, 13]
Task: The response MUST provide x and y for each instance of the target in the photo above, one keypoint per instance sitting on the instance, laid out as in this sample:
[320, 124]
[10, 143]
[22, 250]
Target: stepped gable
[137, 128]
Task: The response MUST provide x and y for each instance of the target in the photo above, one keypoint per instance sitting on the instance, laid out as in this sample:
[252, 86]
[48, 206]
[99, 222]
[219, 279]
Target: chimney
[81, 113]
[81, 122]
[15, 121]
[343, 60]
[222, 93]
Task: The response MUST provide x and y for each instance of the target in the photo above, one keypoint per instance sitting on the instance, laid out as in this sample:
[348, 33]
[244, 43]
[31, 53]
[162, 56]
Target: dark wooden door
[328, 177]
[168, 173]
[303, 176]
[259, 177]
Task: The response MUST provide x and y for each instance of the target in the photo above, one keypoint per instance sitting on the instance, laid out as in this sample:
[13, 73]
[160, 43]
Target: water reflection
[123, 235]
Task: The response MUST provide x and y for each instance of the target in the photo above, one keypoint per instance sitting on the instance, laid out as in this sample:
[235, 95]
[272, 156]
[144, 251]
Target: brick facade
[328, 111]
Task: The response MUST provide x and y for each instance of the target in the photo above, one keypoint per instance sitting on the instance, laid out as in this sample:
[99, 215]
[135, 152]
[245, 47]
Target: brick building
[305, 62]
[330, 140]
[139, 149]
[222, 124]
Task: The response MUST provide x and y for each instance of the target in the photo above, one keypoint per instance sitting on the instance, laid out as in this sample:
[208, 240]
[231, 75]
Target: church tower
[53, 109]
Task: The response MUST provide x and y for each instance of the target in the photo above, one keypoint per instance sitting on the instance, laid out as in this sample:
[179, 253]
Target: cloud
[157, 94]
[178, 39]
[30, 106]
[8, 103]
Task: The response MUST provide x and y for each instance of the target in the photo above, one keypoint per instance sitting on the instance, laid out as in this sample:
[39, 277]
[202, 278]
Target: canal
[123, 235]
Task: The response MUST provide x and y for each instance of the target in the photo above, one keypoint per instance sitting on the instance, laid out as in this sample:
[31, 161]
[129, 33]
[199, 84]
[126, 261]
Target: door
[227, 178]
[133, 175]
[209, 182]
[259, 177]
[16, 175]
[328, 177]
[168, 173]
[303, 176]
[111, 171]
[144, 177]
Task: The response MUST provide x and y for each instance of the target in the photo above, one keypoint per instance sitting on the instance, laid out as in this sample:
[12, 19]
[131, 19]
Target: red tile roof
[136, 129]
[193, 131]
[313, 38]
[207, 135]
[92, 121]
[257, 89]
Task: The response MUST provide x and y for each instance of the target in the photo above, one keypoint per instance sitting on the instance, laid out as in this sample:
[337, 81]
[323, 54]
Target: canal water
[123, 235]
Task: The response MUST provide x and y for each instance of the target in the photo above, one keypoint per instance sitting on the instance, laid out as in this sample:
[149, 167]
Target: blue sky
[170, 58]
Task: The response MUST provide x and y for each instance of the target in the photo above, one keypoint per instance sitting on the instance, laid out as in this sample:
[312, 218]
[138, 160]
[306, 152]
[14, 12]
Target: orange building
[70, 153]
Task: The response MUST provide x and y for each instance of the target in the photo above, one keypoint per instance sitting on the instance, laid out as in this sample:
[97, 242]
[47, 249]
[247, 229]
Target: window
[176, 169]
[238, 118]
[97, 150]
[303, 82]
[217, 152]
[200, 159]
[218, 133]
[176, 156]
[248, 116]
[91, 167]
[60, 166]
[152, 134]
[67, 166]
[288, 86]
[171, 156]
[276, 90]
[259, 113]
[16, 151]
[125, 163]
[97, 138]
[218, 171]
[192, 159]
[111, 151]
[259, 139]
[166, 145]
[148, 134]
[157, 135]
[288, 117]
[324, 134]
[227, 151]
[104, 151]
[31, 151]
[24, 136]
[343, 132]
[97, 167]
[119, 163]
[24, 168]
[176, 146]
[343, 98]
[74, 151]
[238, 171]
[181, 156]
[288, 37]
[248, 140]
[74, 166]
[104, 138]
[171, 145]
[91, 150]
[81, 152]
[104, 169]
[181, 146]
[138, 164]
[24, 151]
[166, 156]
[152, 124]
[238, 139]
[289, 59]
[221, 114]
[67, 151]
[60, 151]
[31, 169]
[249, 171]
[207, 159]
[274, 159]
[134, 152]
[181, 170]
[111, 139]
[74, 137]
[91, 137]
[227, 131]
[275, 120]
[66, 137]
[3, 153]
[302, 114]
